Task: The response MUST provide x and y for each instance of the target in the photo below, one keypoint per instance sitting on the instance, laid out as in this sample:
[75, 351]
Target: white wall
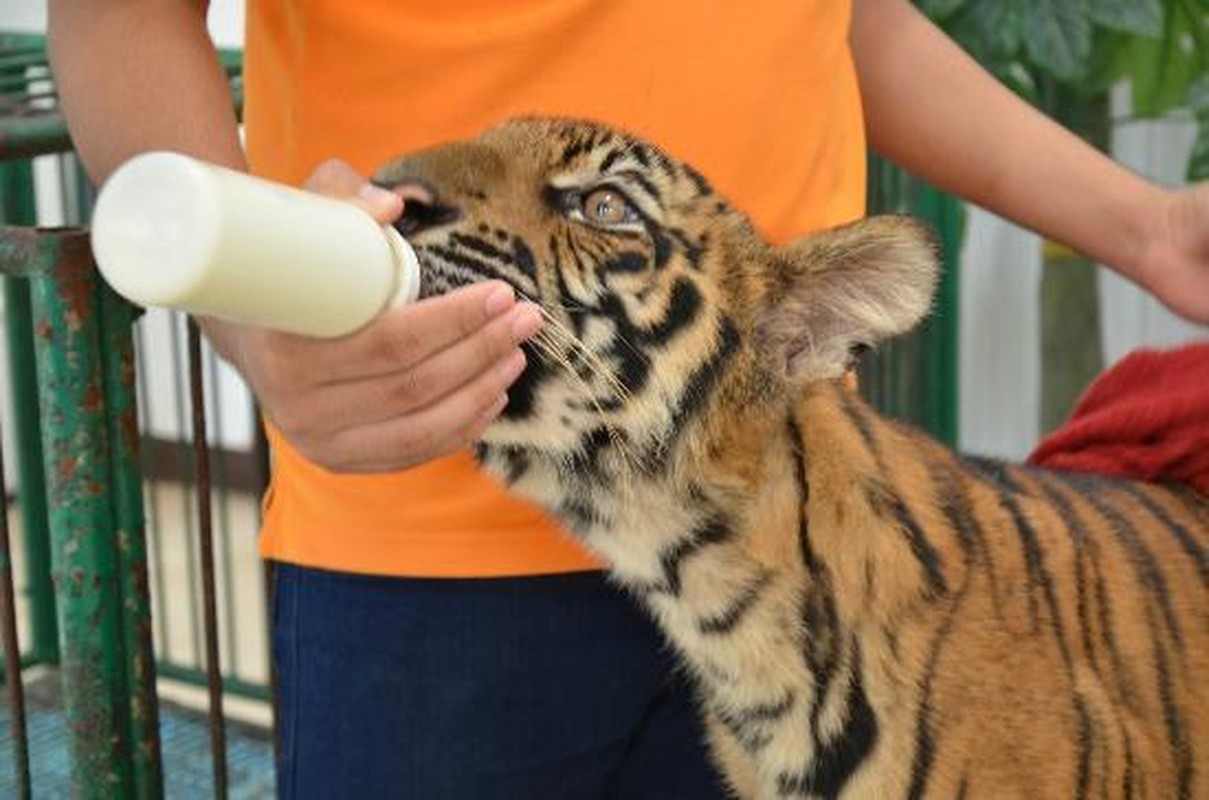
[1000, 283]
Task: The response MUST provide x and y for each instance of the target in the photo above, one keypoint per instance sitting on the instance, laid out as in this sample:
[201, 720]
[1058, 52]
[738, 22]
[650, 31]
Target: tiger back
[864, 613]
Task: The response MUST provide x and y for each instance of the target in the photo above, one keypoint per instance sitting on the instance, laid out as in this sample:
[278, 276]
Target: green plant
[1064, 56]
[1051, 51]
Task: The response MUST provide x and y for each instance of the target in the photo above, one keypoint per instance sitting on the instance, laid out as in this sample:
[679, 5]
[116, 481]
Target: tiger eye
[607, 207]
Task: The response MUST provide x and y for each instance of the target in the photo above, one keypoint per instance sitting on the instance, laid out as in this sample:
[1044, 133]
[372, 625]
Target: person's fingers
[336, 178]
[414, 438]
[362, 402]
[404, 337]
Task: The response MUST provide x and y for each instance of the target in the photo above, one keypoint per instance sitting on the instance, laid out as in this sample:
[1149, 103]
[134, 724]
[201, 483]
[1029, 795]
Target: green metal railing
[17, 208]
[914, 377]
[72, 363]
[83, 355]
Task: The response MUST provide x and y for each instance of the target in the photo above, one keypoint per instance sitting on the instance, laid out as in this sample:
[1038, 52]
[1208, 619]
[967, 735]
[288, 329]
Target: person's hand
[420, 381]
[1175, 266]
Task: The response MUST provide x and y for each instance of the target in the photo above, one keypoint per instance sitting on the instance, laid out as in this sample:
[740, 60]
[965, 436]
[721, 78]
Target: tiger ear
[849, 287]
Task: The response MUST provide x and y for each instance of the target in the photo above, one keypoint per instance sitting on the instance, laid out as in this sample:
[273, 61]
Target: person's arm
[136, 76]
[416, 383]
[930, 108]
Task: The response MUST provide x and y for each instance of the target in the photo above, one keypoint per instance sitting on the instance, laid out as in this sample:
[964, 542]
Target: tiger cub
[865, 614]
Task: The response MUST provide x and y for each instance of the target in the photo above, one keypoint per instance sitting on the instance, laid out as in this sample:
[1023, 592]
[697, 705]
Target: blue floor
[185, 739]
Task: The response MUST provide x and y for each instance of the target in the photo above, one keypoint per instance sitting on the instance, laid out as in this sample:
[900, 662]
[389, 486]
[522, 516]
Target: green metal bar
[12, 656]
[914, 377]
[36, 135]
[947, 216]
[84, 553]
[17, 207]
[117, 348]
[201, 458]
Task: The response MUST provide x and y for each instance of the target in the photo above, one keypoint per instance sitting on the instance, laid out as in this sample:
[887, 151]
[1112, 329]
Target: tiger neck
[865, 475]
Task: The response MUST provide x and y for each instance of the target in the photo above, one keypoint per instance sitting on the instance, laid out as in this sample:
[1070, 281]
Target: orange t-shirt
[761, 98]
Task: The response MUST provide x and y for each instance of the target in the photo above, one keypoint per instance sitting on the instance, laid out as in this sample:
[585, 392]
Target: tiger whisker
[554, 340]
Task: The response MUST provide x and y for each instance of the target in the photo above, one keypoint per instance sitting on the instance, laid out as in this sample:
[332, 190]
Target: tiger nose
[422, 208]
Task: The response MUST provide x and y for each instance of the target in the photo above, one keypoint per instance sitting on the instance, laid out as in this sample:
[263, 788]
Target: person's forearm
[140, 75]
[136, 76]
[930, 108]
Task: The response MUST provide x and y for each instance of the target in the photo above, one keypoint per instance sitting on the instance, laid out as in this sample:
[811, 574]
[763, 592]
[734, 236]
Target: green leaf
[988, 29]
[938, 9]
[1058, 36]
[1141, 17]
[1198, 163]
[1162, 70]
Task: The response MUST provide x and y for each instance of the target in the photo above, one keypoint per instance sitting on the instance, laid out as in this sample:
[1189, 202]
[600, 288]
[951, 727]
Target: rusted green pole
[15, 690]
[17, 208]
[118, 376]
[83, 550]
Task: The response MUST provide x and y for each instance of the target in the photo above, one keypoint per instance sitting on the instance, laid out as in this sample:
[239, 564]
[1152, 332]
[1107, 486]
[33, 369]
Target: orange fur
[865, 613]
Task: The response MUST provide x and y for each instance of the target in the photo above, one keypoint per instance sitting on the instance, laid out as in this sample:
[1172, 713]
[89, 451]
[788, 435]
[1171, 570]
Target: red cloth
[1147, 418]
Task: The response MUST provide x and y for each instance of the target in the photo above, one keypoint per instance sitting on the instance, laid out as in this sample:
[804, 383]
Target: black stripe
[610, 159]
[994, 472]
[580, 263]
[1198, 554]
[1180, 747]
[699, 386]
[837, 759]
[629, 341]
[481, 247]
[859, 417]
[925, 744]
[820, 623]
[730, 617]
[1084, 553]
[647, 186]
[1127, 778]
[662, 245]
[516, 461]
[1147, 569]
[1109, 635]
[714, 530]
[578, 316]
[887, 504]
[465, 261]
[581, 515]
[698, 180]
[1092, 489]
[948, 482]
[683, 307]
[523, 258]
[809, 558]
[746, 724]
[627, 261]
[1083, 781]
[576, 148]
[1034, 562]
[585, 460]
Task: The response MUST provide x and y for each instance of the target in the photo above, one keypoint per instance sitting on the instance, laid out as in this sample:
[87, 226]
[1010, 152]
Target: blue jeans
[530, 688]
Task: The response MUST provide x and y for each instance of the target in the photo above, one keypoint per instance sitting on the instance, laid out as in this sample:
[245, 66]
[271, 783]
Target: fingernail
[525, 322]
[377, 195]
[500, 299]
[514, 365]
[499, 405]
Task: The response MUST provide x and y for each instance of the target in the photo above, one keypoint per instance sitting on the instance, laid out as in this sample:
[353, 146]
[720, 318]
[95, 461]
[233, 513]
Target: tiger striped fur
[865, 613]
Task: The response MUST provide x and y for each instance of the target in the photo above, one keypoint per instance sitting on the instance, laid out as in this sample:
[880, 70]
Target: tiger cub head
[666, 311]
